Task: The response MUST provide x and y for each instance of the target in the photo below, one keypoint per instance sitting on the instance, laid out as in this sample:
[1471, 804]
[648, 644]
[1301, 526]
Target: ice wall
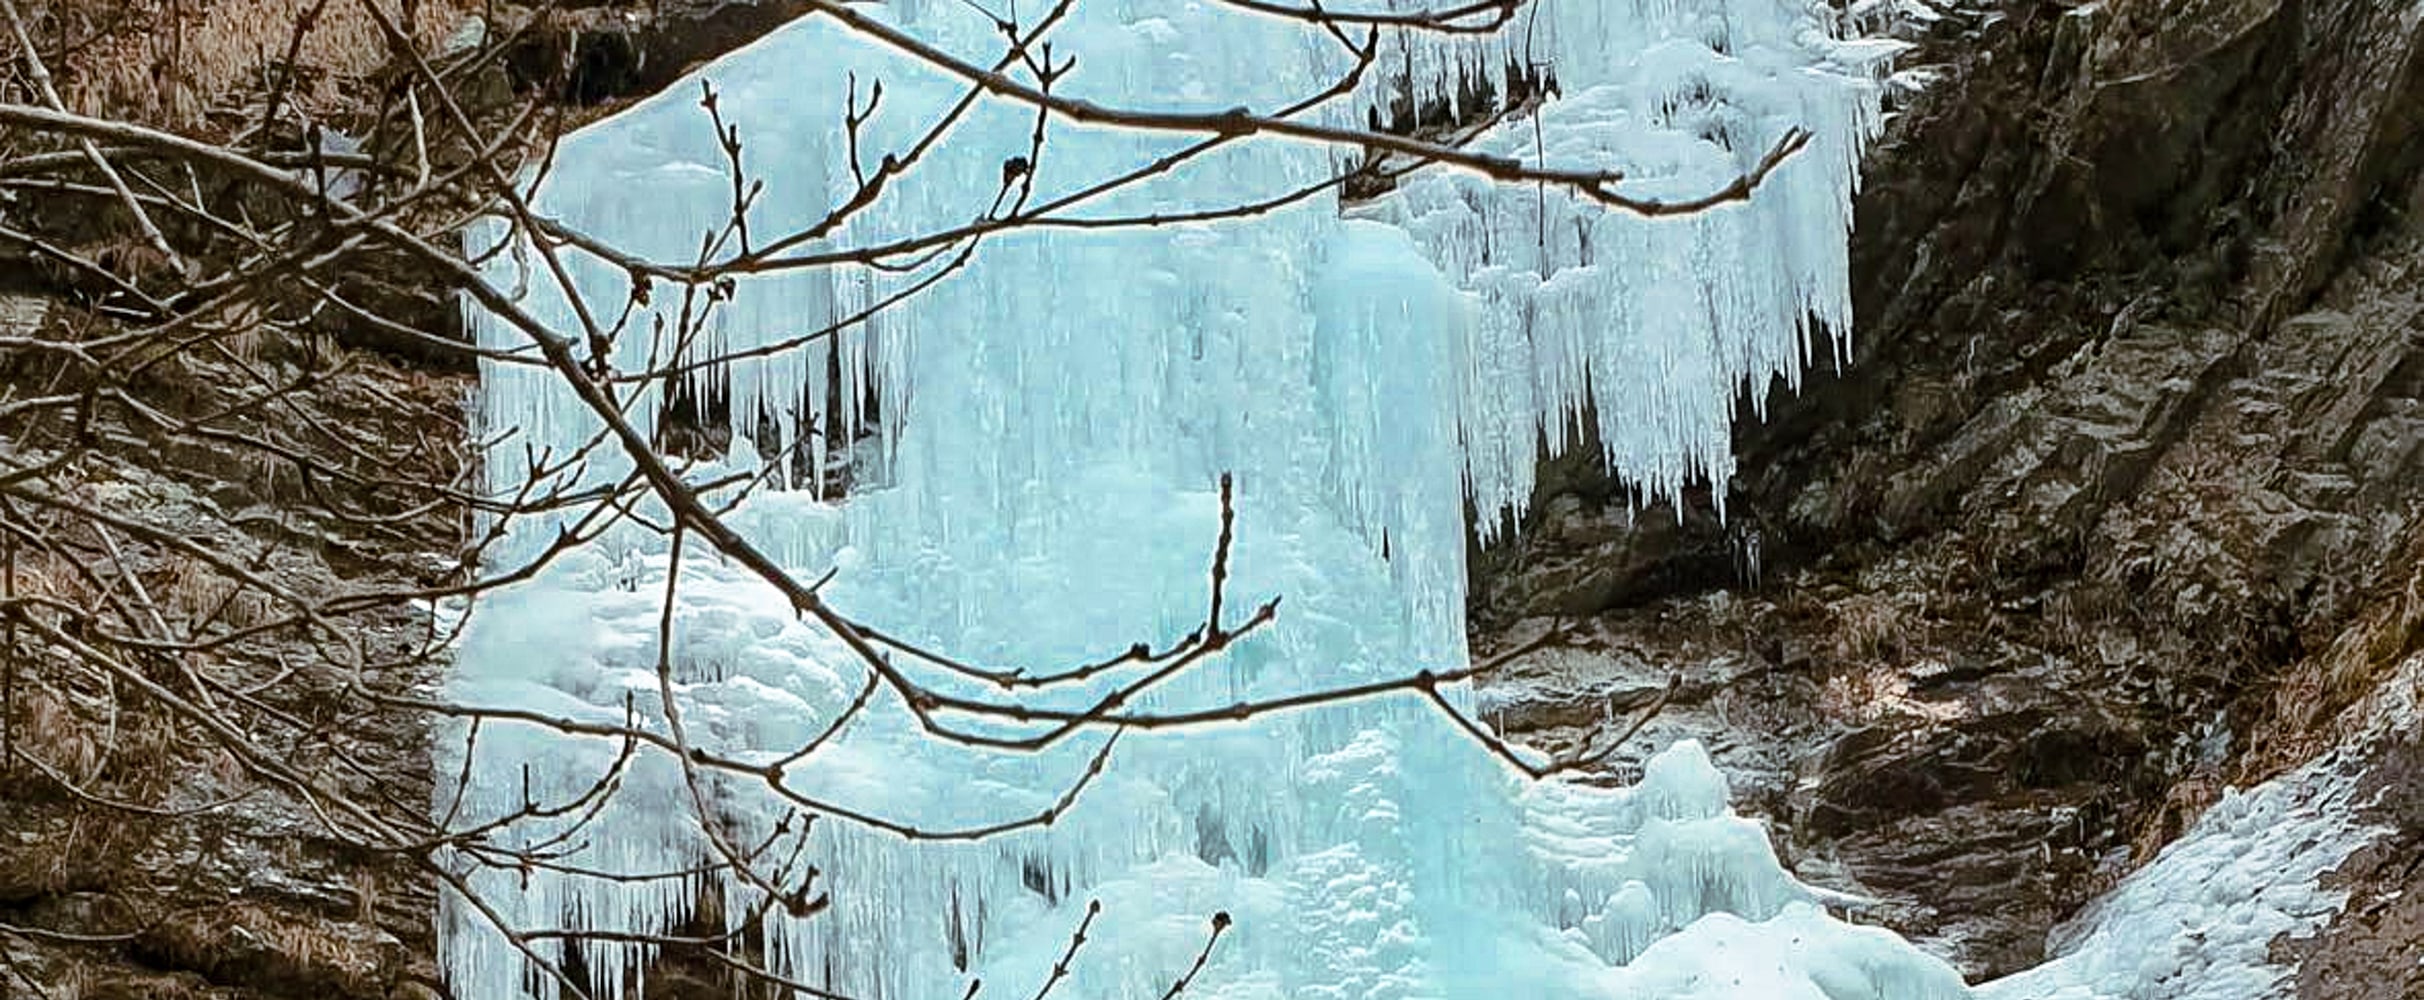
[1053, 419]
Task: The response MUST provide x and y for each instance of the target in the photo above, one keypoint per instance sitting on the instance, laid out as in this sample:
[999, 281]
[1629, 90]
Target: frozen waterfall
[1036, 440]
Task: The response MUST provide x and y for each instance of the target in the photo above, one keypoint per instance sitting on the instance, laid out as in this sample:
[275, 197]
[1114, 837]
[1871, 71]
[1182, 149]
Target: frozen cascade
[1053, 418]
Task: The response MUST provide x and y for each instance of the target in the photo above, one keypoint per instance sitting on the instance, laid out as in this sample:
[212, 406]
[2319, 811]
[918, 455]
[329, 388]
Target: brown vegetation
[206, 63]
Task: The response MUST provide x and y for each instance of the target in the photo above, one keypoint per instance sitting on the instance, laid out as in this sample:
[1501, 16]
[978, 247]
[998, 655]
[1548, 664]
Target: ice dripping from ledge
[1038, 490]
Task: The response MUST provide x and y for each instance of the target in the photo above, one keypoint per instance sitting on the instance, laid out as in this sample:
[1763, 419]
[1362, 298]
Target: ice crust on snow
[2198, 922]
[1040, 493]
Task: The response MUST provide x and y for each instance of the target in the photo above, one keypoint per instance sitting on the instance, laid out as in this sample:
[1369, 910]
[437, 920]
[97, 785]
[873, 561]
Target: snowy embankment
[2199, 921]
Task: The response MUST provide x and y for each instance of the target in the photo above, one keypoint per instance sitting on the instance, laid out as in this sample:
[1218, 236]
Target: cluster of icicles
[1037, 489]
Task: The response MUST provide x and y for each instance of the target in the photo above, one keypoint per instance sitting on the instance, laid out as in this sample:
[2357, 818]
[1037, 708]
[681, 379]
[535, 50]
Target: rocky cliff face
[160, 867]
[2116, 500]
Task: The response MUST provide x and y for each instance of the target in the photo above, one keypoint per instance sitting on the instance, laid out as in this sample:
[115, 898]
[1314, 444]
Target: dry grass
[72, 981]
[42, 574]
[153, 758]
[173, 986]
[1872, 626]
[1862, 694]
[170, 61]
[189, 590]
[366, 896]
[2382, 637]
[2309, 707]
[50, 728]
[1865, 693]
[282, 951]
[77, 980]
[130, 753]
[270, 478]
[75, 850]
[2200, 480]
[2187, 800]
[72, 720]
[61, 728]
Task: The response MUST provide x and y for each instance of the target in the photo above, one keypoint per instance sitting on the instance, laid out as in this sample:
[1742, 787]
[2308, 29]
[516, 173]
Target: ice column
[1052, 416]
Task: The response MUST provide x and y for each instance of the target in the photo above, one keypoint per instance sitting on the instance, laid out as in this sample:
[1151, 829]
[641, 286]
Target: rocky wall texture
[2115, 501]
[162, 867]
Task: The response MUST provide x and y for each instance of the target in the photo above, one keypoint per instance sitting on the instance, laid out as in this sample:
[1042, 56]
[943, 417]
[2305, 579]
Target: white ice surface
[2198, 922]
[1054, 418]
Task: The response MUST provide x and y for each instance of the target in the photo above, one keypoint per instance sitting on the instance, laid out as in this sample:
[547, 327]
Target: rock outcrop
[162, 866]
[2130, 443]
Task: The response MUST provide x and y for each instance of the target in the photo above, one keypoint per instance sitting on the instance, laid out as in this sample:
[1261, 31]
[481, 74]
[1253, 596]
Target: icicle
[1048, 423]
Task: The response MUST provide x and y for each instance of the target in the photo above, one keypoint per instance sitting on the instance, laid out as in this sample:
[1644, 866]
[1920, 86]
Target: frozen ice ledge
[1034, 440]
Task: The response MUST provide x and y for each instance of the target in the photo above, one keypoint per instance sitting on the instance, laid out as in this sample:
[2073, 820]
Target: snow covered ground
[2198, 922]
